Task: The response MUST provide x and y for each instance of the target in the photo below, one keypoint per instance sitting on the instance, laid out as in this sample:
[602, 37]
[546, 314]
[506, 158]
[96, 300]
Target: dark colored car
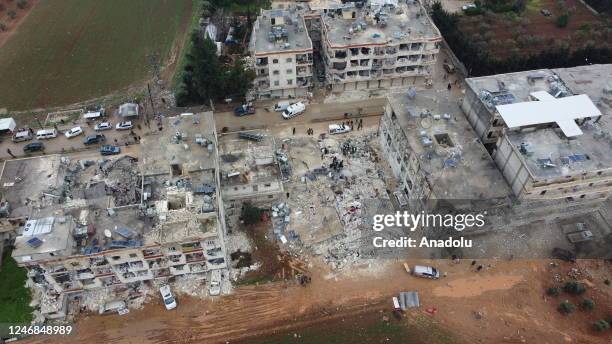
[93, 139]
[109, 150]
[33, 147]
[244, 110]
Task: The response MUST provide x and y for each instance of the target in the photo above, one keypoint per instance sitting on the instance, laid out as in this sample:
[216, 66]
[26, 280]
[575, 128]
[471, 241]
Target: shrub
[575, 288]
[2, 27]
[251, 214]
[566, 307]
[601, 325]
[553, 291]
[562, 20]
[12, 14]
[22, 4]
[2, 7]
[607, 282]
[587, 304]
[473, 11]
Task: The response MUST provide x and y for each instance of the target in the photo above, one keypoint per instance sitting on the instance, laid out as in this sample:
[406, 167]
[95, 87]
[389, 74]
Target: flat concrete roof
[589, 152]
[161, 150]
[593, 81]
[254, 161]
[464, 171]
[406, 23]
[294, 26]
[57, 239]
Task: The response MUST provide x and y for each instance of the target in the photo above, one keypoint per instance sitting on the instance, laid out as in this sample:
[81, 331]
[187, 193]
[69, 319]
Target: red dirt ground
[539, 25]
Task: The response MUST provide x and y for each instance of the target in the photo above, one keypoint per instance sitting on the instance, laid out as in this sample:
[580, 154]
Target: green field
[14, 297]
[67, 51]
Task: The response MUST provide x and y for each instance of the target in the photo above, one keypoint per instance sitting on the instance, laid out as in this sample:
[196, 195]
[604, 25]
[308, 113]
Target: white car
[103, 126]
[339, 129]
[76, 131]
[124, 125]
[468, 6]
[214, 288]
[169, 300]
[294, 110]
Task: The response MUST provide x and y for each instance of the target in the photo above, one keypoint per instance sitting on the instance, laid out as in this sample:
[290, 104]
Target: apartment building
[282, 52]
[435, 155]
[378, 44]
[548, 130]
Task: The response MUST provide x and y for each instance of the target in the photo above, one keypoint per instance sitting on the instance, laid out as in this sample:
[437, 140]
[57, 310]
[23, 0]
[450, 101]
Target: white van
[294, 110]
[281, 106]
[46, 134]
[22, 135]
[426, 272]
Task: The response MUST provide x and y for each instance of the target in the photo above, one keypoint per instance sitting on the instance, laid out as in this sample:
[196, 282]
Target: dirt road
[509, 296]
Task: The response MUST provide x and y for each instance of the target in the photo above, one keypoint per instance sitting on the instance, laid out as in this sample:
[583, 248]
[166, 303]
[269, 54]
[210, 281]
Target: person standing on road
[449, 86]
[293, 130]
[8, 150]
[31, 131]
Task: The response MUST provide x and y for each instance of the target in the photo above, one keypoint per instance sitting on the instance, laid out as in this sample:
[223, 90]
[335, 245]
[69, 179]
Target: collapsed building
[116, 223]
[250, 171]
[547, 130]
[351, 46]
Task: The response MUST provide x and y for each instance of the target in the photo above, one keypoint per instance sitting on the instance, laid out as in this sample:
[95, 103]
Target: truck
[244, 109]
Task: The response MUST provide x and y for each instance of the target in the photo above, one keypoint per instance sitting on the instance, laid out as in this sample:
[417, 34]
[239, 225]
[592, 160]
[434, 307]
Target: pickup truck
[245, 109]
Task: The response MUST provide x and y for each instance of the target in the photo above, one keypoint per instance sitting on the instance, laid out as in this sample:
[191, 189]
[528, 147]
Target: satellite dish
[108, 233]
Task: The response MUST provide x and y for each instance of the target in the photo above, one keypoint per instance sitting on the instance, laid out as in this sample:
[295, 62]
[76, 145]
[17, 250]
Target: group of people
[351, 123]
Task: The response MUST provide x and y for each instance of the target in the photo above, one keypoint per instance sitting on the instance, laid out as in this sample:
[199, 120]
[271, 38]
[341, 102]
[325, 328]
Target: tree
[553, 291]
[562, 20]
[575, 288]
[601, 325]
[22, 4]
[566, 307]
[12, 14]
[587, 304]
[251, 214]
[237, 80]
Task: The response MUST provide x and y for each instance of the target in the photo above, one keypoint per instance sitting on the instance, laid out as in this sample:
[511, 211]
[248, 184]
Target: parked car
[103, 126]
[426, 272]
[468, 6]
[214, 288]
[22, 135]
[169, 300]
[294, 110]
[92, 139]
[109, 150]
[339, 129]
[76, 131]
[33, 147]
[127, 125]
[245, 109]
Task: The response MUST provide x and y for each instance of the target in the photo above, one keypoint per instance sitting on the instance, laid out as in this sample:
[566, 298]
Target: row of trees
[481, 62]
[204, 77]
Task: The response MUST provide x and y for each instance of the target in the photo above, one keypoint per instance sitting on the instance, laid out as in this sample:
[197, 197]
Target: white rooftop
[547, 109]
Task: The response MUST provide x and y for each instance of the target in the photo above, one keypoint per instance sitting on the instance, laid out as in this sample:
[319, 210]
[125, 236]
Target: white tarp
[128, 110]
[7, 124]
[562, 111]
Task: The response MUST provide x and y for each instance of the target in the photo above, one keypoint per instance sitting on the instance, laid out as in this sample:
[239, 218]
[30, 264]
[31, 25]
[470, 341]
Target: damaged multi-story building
[357, 45]
[378, 44]
[435, 155]
[282, 50]
[251, 170]
[119, 222]
[547, 130]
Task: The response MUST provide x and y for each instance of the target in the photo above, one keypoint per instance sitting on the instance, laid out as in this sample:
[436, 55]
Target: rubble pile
[351, 182]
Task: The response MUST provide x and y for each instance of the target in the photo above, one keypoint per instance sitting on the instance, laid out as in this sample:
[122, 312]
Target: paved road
[314, 113]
